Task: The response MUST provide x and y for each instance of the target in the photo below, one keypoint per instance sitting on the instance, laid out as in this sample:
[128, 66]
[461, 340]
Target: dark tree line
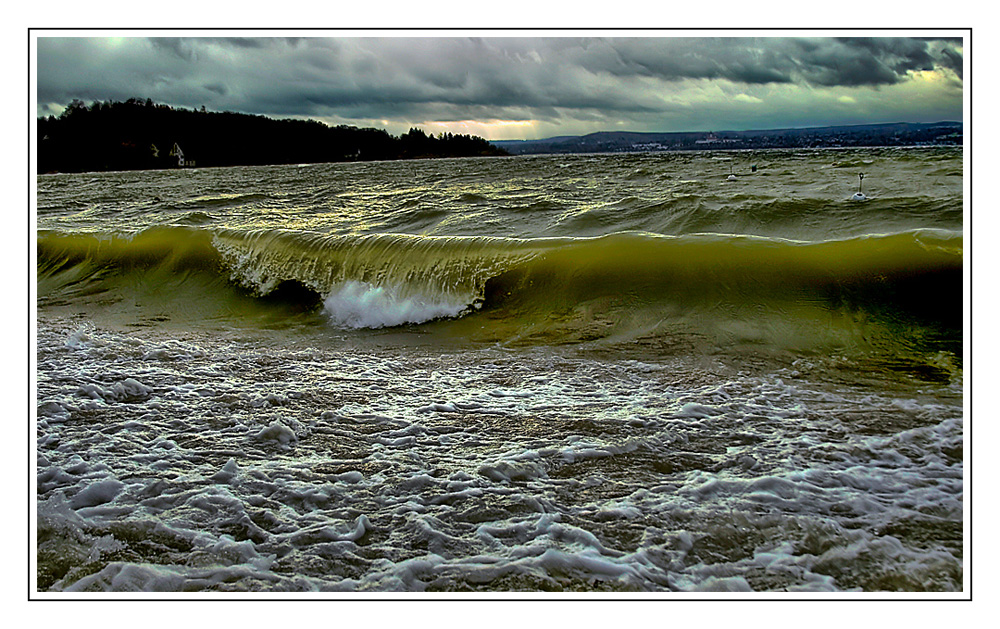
[139, 134]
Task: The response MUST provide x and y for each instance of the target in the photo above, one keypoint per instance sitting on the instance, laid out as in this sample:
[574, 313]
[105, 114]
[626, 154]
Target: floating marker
[859, 196]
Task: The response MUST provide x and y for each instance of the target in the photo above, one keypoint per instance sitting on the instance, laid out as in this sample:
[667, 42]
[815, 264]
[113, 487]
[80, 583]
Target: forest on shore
[141, 135]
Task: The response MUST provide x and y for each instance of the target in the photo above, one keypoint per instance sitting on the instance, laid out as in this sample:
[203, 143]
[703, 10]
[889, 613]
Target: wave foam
[361, 305]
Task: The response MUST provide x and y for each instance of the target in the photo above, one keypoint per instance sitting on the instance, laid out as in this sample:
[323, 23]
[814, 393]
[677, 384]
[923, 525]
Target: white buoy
[731, 176]
[859, 196]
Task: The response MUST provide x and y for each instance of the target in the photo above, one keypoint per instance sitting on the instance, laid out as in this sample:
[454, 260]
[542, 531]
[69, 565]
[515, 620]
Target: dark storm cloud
[952, 60]
[742, 60]
[825, 62]
[464, 78]
[861, 61]
[903, 54]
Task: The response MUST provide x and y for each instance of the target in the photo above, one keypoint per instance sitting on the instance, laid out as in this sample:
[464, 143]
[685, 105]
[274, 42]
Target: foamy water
[239, 467]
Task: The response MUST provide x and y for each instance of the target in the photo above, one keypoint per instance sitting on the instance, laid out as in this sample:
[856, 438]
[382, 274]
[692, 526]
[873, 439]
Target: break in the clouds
[508, 87]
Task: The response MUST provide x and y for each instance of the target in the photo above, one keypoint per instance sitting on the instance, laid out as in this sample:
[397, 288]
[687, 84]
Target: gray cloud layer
[637, 82]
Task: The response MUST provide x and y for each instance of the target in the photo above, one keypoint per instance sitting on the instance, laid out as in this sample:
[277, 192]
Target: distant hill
[140, 134]
[888, 134]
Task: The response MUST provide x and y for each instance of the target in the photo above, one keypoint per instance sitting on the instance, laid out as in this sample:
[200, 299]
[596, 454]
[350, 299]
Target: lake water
[594, 373]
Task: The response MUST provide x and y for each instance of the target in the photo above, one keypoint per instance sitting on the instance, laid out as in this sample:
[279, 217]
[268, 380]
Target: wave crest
[358, 305]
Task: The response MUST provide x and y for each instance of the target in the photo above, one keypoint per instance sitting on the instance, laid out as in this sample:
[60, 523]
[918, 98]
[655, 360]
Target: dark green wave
[903, 287]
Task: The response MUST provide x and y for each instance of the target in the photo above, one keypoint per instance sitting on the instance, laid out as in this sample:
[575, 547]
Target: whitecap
[357, 305]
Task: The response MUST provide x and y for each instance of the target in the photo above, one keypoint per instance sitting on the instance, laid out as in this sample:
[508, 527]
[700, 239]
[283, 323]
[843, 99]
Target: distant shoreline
[141, 135]
[899, 134]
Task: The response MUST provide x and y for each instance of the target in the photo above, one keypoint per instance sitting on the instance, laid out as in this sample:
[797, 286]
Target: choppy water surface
[601, 373]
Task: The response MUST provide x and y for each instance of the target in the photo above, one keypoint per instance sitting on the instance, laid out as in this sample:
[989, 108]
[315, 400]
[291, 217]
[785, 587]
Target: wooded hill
[136, 135]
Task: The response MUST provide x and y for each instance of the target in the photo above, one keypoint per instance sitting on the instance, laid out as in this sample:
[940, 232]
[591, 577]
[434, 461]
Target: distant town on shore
[139, 135]
[890, 134]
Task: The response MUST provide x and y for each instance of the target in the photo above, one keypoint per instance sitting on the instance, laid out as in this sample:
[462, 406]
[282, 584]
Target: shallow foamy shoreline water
[184, 464]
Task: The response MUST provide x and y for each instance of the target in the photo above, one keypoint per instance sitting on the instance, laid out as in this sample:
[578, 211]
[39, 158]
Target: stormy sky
[505, 87]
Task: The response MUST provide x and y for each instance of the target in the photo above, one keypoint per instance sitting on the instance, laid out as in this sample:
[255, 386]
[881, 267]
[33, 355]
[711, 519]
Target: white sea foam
[362, 305]
[255, 467]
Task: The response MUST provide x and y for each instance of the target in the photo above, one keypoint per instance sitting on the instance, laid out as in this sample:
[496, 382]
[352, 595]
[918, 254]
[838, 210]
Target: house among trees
[179, 154]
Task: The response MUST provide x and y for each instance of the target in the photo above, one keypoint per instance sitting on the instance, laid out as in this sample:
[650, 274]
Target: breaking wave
[625, 279]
